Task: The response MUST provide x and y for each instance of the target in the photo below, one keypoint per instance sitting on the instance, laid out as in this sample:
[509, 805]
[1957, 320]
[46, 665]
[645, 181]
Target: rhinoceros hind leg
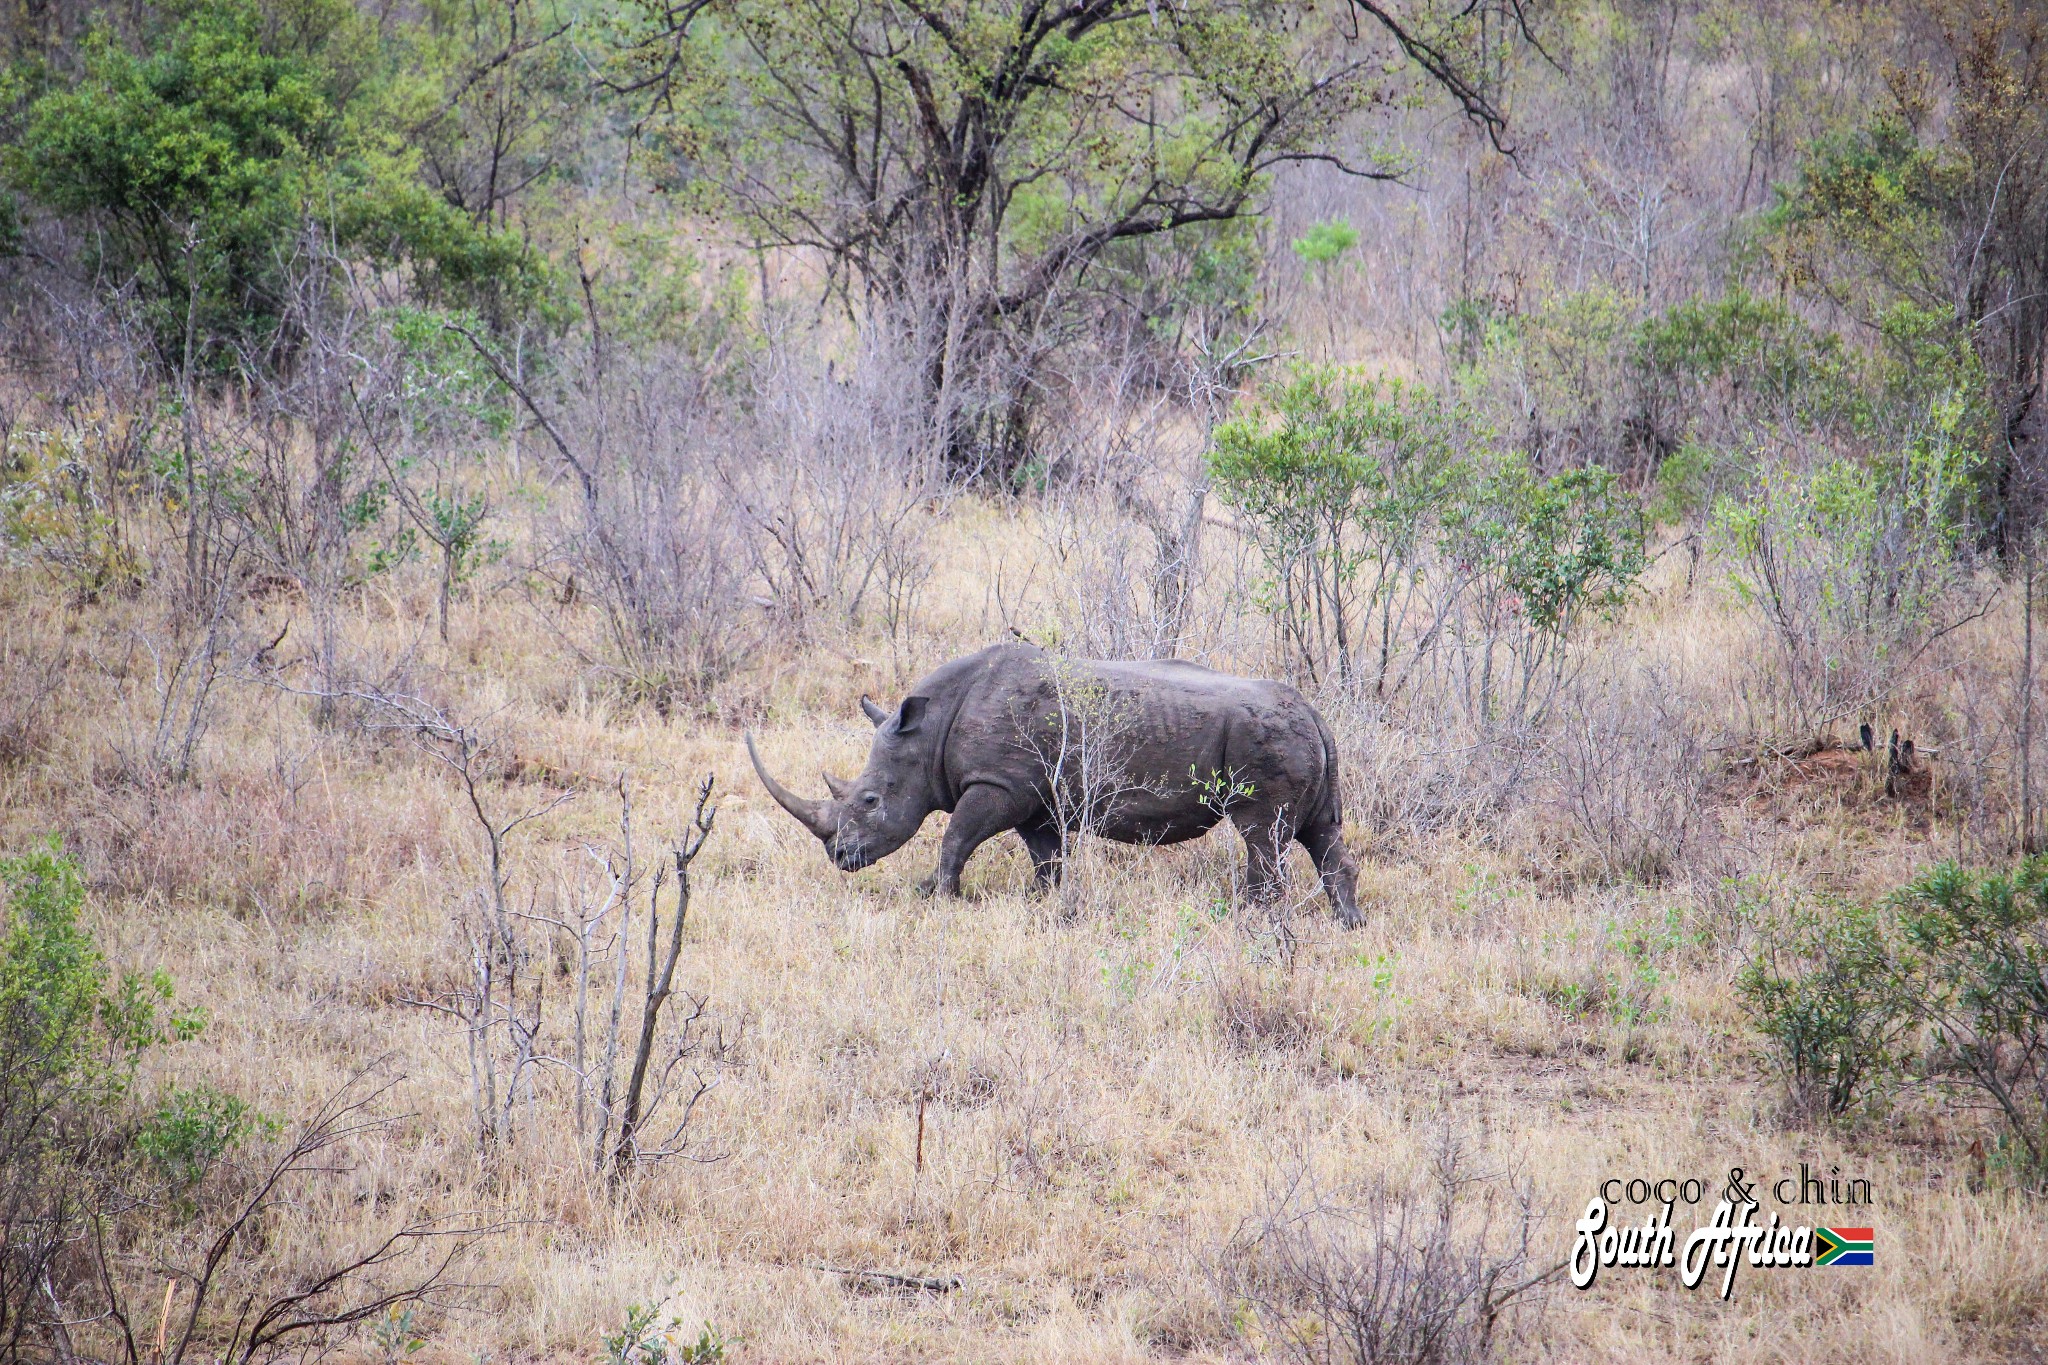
[1047, 846]
[1325, 843]
[1265, 846]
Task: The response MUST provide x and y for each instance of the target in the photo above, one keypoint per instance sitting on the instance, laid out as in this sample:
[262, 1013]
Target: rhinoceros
[998, 740]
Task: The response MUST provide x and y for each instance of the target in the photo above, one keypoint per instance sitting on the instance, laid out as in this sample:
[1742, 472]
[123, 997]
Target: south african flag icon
[1844, 1246]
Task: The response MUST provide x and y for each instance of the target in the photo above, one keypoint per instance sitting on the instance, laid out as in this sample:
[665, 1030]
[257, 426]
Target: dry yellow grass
[1111, 1091]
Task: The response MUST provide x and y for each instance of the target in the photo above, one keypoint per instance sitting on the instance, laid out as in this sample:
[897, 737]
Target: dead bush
[1392, 1277]
[1977, 734]
[1415, 773]
[835, 520]
[1631, 774]
[1125, 529]
[29, 681]
[647, 539]
[171, 677]
[275, 845]
[1257, 1013]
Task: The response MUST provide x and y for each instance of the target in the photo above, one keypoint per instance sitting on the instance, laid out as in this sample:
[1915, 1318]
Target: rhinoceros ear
[911, 716]
[874, 713]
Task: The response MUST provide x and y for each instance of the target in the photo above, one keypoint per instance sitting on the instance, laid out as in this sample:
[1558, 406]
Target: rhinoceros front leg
[982, 813]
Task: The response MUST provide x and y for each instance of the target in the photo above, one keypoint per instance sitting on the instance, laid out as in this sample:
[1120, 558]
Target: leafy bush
[1738, 335]
[1324, 243]
[1539, 557]
[1339, 476]
[224, 155]
[1827, 990]
[1562, 379]
[64, 1025]
[1383, 541]
[1586, 378]
[192, 1129]
[79, 1162]
[653, 1336]
[1856, 567]
[1960, 954]
[1931, 229]
[71, 1035]
[1736, 362]
[1979, 964]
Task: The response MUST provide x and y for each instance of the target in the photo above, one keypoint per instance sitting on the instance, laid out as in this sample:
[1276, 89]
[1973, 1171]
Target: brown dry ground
[1112, 1090]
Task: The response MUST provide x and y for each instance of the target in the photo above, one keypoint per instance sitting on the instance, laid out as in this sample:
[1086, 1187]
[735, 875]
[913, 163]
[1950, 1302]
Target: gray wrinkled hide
[981, 737]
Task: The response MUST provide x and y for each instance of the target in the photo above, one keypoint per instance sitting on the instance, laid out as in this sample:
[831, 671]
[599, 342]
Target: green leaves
[1826, 991]
[196, 157]
[1348, 482]
[651, 1336]
[1873, 195]
[1958, 954]
[1760, 345]
[1560, 548]
[51, 974]
[191, 1129]
[1854, 563]
[66, 1030]
[1978, 944]
[195, 127]
[234, 154]
[1334, 446]
[1324, 243]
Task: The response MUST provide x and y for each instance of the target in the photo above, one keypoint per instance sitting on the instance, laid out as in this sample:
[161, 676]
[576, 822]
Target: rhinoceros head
[876, 813]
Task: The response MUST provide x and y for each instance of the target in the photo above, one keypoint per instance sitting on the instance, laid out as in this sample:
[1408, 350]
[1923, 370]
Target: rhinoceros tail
[1332, 808]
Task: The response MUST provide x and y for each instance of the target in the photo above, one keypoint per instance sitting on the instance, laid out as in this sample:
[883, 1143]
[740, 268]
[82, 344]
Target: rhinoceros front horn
[811, 814]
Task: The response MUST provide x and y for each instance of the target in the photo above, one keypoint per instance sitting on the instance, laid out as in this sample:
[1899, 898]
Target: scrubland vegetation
[430, 434]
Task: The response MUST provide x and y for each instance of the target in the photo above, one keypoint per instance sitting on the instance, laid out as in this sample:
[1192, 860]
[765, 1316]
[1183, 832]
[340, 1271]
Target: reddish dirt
[1850, 779]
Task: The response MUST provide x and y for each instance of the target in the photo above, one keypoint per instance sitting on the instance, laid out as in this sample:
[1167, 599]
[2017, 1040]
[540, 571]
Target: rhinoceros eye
[871, 800]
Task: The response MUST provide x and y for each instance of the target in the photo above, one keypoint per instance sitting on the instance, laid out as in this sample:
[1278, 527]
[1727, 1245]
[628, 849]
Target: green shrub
[193, 1128]
[1855, 565]
[1759, 346]
[1827, 990]
[1555, 549]
[232, 156]
[1979, 961]
[71, 1035]
[66, 1030]
[1687, 482]
[1324, 243]
[1533, 559]
[1369, 515]
[1339, 476]
[1958, 955]
[651, 1337]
